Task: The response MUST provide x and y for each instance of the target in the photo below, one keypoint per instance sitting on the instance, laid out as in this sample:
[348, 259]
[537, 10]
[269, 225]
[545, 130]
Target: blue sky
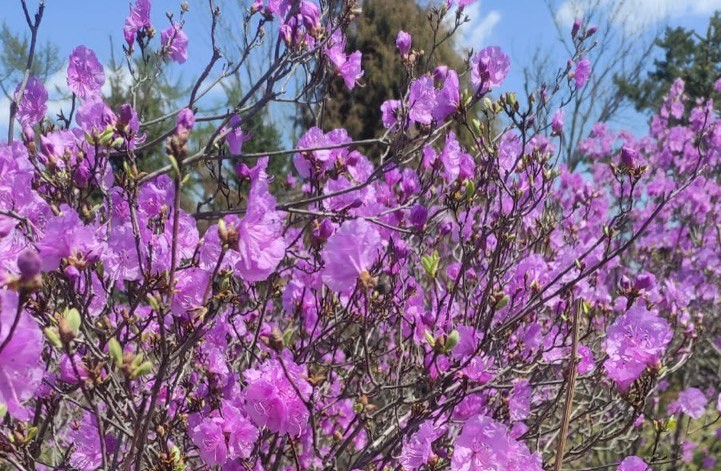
[520, 27]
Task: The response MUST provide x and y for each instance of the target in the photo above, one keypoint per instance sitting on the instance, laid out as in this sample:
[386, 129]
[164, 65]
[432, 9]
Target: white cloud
[479, 29]
[635, 14]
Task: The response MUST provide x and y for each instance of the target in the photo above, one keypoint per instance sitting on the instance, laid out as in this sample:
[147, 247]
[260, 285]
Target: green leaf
[53, 336]
[430, 263]
[115, 350]
[429, 338]
[136, 361]
[174, 164]
[452, 340]
[74, 320]
[501, 303]
[143, 369]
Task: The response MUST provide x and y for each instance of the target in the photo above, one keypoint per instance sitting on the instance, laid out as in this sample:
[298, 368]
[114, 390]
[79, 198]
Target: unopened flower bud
[576, 27]
[403, 42]
[28, 264]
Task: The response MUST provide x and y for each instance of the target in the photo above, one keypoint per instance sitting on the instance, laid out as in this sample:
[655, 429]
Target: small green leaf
[476, 124]
[73, 318]
[3, 410]
[430, 263]
[136, 361]
[501, 303]
[106, 137]
[51, 333]
[152, 300]
[115, 350]
[671, 424]
[470, 189]
[429, 338]
[143, 369]
[174, 164]
[452, 340]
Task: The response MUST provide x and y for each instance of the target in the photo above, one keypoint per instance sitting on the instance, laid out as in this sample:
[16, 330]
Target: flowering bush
[441, 306]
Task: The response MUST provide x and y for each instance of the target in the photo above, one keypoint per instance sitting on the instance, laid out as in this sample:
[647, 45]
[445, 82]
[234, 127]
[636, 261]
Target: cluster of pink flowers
[425, 310]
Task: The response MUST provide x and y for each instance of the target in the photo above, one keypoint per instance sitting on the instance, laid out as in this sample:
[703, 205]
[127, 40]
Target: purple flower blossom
[403, 42]
[260, 233]
[139, 18]
[66, 236]
[636, 340]
[389, 111]
[576, 27]
[448, 97]
[20, 368]
[272, 401]
[94, 116]
[519, 403]
[633, 463]
[485, 444]
[185, 121]
[417, 450]
[32, 108]
[175, 42]
[84, 436]
[582, 72]
[557, 122]
[349, 255]
[691, 402]
[85, 73]
[310, 13]
[451, 157]
[224, 436]
[351, 70]
[489, 68]
[236, 137]
[629, 156]
[208, 437]
[422, 100]
[28, 263]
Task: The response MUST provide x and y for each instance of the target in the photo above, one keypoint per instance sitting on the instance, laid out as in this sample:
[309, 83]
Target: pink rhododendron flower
[485, 444]
[489, 68]
[403, 42]
[422, 100]
[85, 439]
[637, 339]
[236, 137]
[519, 402]
[32, 108]
[417, 450]
[85, 73]
[224, 435]
[389, 112]
[557, 122]
[185, 121]
[349, 255]
[272, 401]
[67, 236]
[260, 233]
[139, 18]
[175, 42]
[582, 72]
[691, 402]
[633, 463]
[351, 70]
[20, 368]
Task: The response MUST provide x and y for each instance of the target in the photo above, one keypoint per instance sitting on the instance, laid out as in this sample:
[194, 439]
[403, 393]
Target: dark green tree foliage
[358, 110]
[685, 54]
